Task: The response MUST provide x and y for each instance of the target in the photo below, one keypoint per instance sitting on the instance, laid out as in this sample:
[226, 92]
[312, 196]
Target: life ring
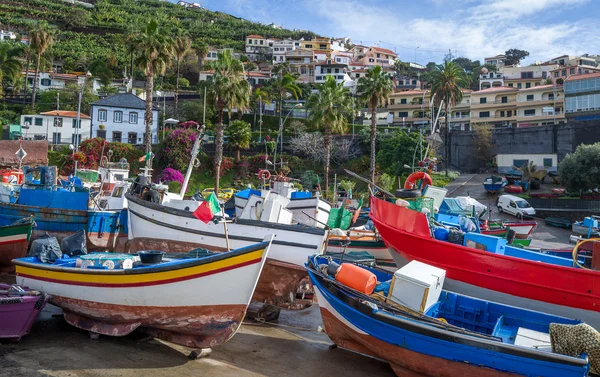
[151, 196]
[414, 177]
[264, 175]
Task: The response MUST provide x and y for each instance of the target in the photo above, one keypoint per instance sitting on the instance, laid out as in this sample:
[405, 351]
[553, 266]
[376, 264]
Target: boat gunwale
[445, 335]
[164, 267]
[188, 214]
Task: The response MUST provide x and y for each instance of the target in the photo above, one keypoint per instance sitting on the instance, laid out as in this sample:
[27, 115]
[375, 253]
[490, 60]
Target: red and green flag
[146, 157]
[207, 210]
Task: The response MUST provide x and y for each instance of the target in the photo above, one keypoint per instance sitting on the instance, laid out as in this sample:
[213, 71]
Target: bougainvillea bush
[176, 149]
[91, 151]
[171, 175]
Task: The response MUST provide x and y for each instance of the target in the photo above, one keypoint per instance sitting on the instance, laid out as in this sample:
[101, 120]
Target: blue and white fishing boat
[444, 336]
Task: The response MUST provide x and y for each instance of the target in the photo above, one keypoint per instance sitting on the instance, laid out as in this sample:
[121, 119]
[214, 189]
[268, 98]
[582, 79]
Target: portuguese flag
[207, 210]
[146, 157]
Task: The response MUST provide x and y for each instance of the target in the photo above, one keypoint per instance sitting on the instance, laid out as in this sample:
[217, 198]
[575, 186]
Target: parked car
[515, 206]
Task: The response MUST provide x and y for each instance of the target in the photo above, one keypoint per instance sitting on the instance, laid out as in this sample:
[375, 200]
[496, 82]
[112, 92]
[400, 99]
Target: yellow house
[409, 107]
[318, 43]
[540, 105]
[496, 106]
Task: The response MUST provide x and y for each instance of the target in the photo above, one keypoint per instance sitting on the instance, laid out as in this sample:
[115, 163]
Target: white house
[58, 81]
[329, 68]
[6, 35]
[280, 47]
[59, 126]
[121, 118]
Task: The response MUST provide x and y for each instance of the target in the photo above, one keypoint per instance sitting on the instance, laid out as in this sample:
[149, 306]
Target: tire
[405, 193]
[151, 196]
[520, 216]
[500, 210]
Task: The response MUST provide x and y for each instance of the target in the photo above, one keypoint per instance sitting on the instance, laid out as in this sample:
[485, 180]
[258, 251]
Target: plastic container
[441, 234]
[357, 278]
[18, 313]
[150, 256]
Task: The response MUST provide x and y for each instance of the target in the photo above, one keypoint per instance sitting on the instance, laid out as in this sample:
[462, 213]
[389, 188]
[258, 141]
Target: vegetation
[239, 136]
[397, 150]
[580, 171]
[329, 108]
[374, 89]
[483, 141]
[41, 37]
[182, 45]
[514, 56]
[10, 67]
[447, 82]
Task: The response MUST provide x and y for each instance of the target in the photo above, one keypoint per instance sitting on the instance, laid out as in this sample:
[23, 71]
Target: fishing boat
[523, 229]
[19, 308]
[361, 240]
[513, 175]
[455, 335]
[196, 302]
[14, 240]
[559, 222]
[588, 227]
[160, 227]
[493, 185]
[484, 266]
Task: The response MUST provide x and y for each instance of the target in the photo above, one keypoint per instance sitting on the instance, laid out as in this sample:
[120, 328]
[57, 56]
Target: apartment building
[540, 105]
[496, 106]
[409, 107]
[257, 45]
[331, 68]
[497, 60]
[460, 114]
[280, 47]
[517, 76]
[582, 97]
[378, 56]
[303, 61]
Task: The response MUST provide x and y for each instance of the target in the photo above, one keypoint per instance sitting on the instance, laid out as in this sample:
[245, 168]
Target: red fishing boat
[507, 274]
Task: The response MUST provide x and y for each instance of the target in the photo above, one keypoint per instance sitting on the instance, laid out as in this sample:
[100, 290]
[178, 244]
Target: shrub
[175, 151]
[171, 175]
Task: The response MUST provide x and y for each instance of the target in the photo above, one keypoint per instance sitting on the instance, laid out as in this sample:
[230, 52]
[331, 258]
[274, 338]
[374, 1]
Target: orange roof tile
[65, 113]
[411, 92]
[496, 89]
[256, 36]
[537, 87]
[384, 50]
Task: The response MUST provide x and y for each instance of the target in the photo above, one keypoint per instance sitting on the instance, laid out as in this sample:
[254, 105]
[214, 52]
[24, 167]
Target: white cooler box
[417, 286]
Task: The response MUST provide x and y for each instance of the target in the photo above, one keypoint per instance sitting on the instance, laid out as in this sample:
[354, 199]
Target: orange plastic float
[414, 177]
[356, 278]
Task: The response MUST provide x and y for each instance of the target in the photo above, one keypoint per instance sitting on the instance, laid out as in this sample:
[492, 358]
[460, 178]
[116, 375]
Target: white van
[515, 206]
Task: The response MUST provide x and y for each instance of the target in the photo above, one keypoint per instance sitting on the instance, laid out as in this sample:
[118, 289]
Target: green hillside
[86, 34]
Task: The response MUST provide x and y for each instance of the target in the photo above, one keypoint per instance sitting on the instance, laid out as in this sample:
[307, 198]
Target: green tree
[282, 86]
[41, 38]
[239, 136]
[580, 171]
[329, 108]
[230, 90]
[201, 49]
[483, 141]
[374, 89]
[401, 68]
[514, 56]
[181, 47]
[448, 79]
[99, 68]
[259, 96]
[397, 150]
[10, 66]
[154, 50]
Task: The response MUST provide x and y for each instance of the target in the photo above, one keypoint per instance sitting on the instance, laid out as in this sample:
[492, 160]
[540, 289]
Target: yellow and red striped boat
[196, 302]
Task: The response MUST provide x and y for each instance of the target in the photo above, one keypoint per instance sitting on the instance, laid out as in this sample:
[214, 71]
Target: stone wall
[560, 139]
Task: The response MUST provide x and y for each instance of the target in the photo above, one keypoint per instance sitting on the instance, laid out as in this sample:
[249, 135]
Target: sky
[428, 29]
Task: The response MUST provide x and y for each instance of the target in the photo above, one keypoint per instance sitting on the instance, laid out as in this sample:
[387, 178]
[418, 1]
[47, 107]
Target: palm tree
[329, 108]
[154, 50]
[230, 90]
[182, 47]
[374, 89]
[259, 95]
[10, 66]
[201, 49]
[447, 81]
[28, 52]
[284, 85]
[41, 37]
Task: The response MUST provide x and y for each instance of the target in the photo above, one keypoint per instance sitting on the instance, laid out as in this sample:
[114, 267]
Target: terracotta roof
[411, 92]
[66, 114]
[256, 36]
[496, 89]
[320, 51]
[583, 77]
[356, 63]
[384, 50]
[360, 71]
[37, 153]
[257, 74]
[537, 87]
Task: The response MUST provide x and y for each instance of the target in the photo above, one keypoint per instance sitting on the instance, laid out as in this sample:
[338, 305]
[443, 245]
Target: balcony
[540, 102]
[403, 106]
[493, 119]
[494, 104]
[531, 118]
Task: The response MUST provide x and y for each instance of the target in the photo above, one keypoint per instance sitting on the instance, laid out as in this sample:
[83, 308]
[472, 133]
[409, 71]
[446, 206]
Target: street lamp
[76, 141]
[280, 134]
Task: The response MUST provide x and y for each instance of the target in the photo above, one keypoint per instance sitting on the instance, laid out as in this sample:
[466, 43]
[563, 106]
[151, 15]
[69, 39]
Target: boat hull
[407, 235]
[412, 350]
[200, 304]
[375, 248]
[14, 241]
[153, 226]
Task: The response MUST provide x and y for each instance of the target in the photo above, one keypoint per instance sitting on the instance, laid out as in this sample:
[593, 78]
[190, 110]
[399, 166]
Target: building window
[519, 86]
[544, 74]
[530, 97]
[28, 120]
[58, 122]
[509, 113]
[414, 82]
[76, 139]
[261, 41]
[39, 121]
[520, 163]
[484, 114]
[118, 117]
[563, 72]
[75, 125]
[547, 162]
[483, 100]
[502, 114]
[56, 138]
[403, 114]
[527, 85]
[132, 137]
[571, 71]
[529, 112]
[551, 96]
[133, 118]
[371, 60]
[504, 100]
[403, 101]
[319, 78]
[510, 85]
[101, 133]
[102, 115]
[526, 75]
[45, 82]
[392, 101]
[116, 136]
[556, 74]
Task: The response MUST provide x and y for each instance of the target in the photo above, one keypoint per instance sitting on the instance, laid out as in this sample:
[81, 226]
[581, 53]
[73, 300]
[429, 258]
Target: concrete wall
[559, 139]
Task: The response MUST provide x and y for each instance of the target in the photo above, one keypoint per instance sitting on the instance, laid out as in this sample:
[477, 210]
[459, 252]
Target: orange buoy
[414, 177]
[356, 278]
